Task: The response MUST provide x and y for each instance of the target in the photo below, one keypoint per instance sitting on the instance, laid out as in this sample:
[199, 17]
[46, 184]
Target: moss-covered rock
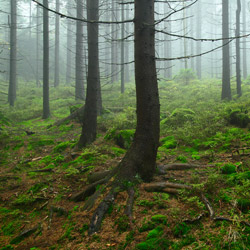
[239, 118]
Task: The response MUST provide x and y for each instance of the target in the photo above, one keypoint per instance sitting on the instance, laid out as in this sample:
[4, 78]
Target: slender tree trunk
[13, 54]
[127, 52]
[226, 88]
[244, 56]
[90, 111]
[113, 44]
[38, 32]
[122, 51]
[198, 34]
[79, 88]
[46, 110]
[141, 157]
[57, 46]
[69, 46]
[238, 61]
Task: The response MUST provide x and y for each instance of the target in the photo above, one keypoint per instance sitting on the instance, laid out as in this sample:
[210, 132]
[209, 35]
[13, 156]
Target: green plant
[185, 76]
[228, 168]
[122, 223]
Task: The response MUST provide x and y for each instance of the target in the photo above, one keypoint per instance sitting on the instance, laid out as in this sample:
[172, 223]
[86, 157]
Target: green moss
[159, 218]
[118, 151]
[243, 204]
[228, 168]
[123, 138]
[238, 118]
[23, 200]
[145, 203]
[61, 147]
[155, 233]
[181, 229]
[41, 143]
[122, 223]
[147, 226]
[9, 247]
[169, 142]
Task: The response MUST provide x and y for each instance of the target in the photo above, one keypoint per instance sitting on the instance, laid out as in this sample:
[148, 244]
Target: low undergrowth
[40, 172]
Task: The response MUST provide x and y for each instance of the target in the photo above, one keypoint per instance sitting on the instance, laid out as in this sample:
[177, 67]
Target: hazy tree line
[23, 21]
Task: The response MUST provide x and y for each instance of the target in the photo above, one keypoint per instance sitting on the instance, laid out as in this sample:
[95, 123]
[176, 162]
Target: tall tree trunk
[38, 32]
[69, 45]
[198, 34]
[90, 111]
[57, 46]
[113, 44]
[13, 54]
[122, 50]
[226, 88]
[244, 50]
[168, 47]
[79, 88]
[46, 110]
[141, 156]
[127, 52]
[238, 61]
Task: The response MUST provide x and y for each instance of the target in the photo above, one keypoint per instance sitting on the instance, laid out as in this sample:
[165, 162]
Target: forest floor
[40, 172]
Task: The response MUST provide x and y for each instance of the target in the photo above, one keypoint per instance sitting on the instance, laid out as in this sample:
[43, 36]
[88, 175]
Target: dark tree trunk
[38, 32]
[127, 51]
[113, 44]
[244, 57]
[141, 157]
[46, 110]
[57, 46]
[69, 45]
[238, 61]
[198, 34]
[226, 88]
[122, 51]
[13, 54]
[93, 80]
[79, 88]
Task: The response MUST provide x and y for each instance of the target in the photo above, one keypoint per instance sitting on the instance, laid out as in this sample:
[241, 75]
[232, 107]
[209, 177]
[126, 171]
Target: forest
[124, 125]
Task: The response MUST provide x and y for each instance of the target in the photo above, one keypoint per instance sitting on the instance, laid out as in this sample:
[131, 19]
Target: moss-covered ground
[39, 172]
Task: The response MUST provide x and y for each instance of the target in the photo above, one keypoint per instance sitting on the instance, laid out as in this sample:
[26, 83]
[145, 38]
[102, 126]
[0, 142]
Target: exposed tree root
[44, 170]
[94, 177]
[75, 115]
[101, 211]
[192, 221]
[162, 169]
[167, 187]
[130, 202]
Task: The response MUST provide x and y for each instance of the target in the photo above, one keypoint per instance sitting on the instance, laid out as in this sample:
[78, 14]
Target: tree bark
[38, 32]
[13, 54]
[226, 88]
[140, 158]
[79, 88]
[46, 110]
[238, 61]
[93, 80]
[244, 56]
[198, 34]
[57, 46]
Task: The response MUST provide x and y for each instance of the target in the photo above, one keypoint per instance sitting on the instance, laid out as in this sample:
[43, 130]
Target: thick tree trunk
[140, 158]
[226, 88]
[46, 110]
[13, 54]
[238, 61]
[93, 80]
[79, 88]
[57, 46]
[127, 51]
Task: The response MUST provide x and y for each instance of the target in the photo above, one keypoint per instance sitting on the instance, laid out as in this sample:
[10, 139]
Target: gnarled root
[101, 211]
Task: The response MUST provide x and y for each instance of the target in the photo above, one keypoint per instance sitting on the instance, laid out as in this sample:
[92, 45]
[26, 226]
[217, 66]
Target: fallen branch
[130, 203]
[44, 170]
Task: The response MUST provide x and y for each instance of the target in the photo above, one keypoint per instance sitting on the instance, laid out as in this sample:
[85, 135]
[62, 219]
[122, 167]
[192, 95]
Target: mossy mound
[122, 138]
[228, 169]
[169, 142]
[238, 118]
